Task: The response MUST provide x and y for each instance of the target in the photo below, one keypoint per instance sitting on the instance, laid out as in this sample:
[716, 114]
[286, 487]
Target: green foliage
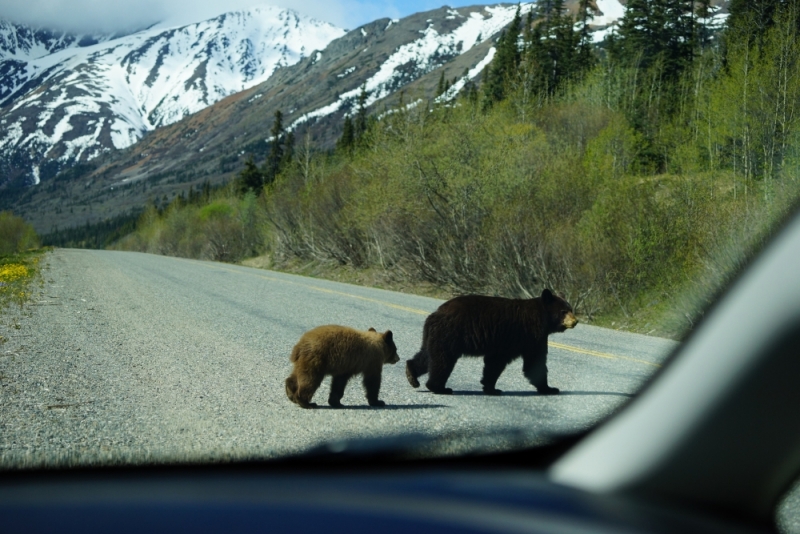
[635, 188]
[97, 235]
[752, 18]
[552, 49]
[356, 128]
[19, 263]
[348, 139]
[227, 228]
[17, 273]
[251, 178]
[657, 32]
[281, 152]
[16, 235]
[441, 86]
[218, 209]
[277, 149]
[505, 62]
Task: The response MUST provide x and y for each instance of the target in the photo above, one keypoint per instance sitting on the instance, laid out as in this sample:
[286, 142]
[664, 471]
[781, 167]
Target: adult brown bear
[496, 328]
[342, 352]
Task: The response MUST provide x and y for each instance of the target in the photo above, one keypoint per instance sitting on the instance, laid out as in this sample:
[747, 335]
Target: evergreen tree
[703, 33]
[505, 62]
[634, 41]
[360, 123]
[276, 150]
[440, 87]
[471, 92]
[553, 52]
[657, 32]
[753, 17]
[348, 139]
[288, 150]
[584, 58]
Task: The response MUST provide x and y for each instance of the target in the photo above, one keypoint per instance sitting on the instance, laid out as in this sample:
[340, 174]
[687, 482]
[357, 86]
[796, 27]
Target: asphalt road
[130, 357]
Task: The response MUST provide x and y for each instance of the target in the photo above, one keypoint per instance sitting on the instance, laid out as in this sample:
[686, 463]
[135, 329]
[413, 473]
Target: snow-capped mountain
[21, 47]
[459, 33]
[23, 43]
[70, 98]
[84, 104]
[108, 94]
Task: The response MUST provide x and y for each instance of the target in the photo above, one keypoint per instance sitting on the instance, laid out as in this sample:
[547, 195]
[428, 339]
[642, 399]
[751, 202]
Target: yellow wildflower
[12, 272]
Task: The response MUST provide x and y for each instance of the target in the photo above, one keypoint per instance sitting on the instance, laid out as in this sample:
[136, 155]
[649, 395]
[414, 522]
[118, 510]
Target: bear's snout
[393, 359]
[570, 320]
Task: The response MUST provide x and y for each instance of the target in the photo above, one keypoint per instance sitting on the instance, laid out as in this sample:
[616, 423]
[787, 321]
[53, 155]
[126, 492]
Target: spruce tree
[553, 49]
[750, 20]
[288, 151]
[505, 62]
[633, 42]
[348, 139]
[754, 15]
[276, 150]
[656, 32]
[360, 123]
[440, 86]
[703, 33]
[584, 58]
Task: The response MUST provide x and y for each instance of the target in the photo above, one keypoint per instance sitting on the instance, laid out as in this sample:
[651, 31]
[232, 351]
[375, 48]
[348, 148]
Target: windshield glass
[530, 218]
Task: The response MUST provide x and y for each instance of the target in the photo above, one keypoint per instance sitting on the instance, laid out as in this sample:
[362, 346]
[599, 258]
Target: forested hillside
[634, 177]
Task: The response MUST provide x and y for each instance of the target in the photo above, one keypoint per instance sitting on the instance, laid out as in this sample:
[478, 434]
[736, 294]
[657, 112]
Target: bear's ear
[372, 329]
[387, 336]
[547, 296]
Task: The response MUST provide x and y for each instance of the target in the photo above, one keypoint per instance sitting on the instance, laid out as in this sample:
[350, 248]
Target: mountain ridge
[387, 57]
[213, 143]
[86, 100]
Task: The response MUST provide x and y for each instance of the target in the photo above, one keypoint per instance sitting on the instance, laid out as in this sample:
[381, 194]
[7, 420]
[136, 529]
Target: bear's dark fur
[496, 328]
[341, 352]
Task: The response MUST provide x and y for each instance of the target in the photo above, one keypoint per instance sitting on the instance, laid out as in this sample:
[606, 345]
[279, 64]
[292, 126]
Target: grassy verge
[19, 274]
[375, 277]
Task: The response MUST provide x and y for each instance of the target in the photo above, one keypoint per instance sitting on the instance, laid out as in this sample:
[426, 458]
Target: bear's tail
[291, 388]
[416, 367]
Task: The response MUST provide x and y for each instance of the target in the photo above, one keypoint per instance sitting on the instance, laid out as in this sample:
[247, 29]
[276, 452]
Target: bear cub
[496, 328]
[341, 352]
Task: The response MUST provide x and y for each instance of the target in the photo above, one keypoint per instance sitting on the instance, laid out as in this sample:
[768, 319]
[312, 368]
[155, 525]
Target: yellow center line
[332, 291]
[599, 354]
[424, 312]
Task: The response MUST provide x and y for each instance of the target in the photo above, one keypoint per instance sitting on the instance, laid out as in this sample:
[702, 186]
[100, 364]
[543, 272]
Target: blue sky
[119, 15]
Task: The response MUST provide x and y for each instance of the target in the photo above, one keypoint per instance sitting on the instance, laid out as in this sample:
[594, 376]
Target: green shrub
[16, 235]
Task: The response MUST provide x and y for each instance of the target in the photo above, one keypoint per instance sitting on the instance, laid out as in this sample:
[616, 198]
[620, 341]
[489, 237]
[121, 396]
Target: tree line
[633, 174]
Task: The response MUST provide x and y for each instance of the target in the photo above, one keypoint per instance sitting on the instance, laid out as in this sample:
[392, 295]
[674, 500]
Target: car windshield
[484, 233]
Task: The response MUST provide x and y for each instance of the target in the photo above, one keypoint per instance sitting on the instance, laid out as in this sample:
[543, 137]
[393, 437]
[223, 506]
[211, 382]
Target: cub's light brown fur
[341, 352]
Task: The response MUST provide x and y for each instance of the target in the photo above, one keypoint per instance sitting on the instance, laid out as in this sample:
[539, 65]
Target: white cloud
[124, 15]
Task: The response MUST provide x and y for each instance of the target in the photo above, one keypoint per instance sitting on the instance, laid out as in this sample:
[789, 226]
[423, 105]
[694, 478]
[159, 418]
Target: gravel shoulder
[132, 358]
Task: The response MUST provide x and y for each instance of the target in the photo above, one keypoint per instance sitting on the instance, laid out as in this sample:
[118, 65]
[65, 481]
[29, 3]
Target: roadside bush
[16, 235]
[632, 211]
[227, 229]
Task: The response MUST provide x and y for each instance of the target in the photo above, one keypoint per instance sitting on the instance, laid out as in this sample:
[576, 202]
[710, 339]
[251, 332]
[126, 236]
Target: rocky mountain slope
[385, 57]
[314, 94]
[67, 99]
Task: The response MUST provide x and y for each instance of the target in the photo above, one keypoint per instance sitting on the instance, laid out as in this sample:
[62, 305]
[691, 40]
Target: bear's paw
[410, 375]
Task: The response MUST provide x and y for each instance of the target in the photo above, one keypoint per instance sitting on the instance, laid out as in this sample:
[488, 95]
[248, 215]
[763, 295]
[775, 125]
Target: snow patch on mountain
[88, 95]
[24, 43]
[612, 11]
[425, 54]
[459, 84]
